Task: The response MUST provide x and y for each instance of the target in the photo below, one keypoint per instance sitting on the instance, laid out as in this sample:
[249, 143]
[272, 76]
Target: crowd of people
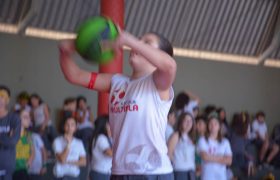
[201, 144]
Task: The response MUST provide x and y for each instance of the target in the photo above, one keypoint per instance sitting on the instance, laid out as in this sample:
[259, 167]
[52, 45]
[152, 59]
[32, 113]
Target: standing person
[223, 118]
[24, 148]
[22, 102]
[42, 121]
[38, 167]
[69, 152]
[101, 153]
[171, 118]
[10, 126]
[242, 161]
[181, 148]
[260, 132]
[85, 122]
[138, 105]
[69, 109]
[200, 132]
[215, 151]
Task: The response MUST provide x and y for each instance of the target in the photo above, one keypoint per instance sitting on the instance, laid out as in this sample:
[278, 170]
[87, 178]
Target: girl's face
[23, 102]
[201, 127]
[214, 126]
[187, 124]
[34, 102]
[139, 62]
[222, 115]
[82, 104]
[172, 118]
[70, 126]
[25, 119]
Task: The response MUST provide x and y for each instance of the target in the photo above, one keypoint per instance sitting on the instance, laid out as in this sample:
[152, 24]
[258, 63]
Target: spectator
[10, 127]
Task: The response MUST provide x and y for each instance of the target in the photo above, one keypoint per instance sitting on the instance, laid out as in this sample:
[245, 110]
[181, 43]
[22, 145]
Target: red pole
[113, 9]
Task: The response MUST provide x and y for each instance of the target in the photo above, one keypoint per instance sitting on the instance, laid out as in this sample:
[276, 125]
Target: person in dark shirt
[10, 126]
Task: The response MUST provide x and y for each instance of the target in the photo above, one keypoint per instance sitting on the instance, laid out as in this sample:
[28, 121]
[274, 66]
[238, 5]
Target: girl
[101, 160]
[200, 132]
[41, 120]
[225, 129]
[24, 148]
[215, 151]
[38, 167]
[69, 151]
[200, 126]
[181, 148]
[138, 104]
[85, 122]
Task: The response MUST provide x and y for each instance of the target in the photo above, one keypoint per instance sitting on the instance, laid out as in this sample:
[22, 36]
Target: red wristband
[92, 80]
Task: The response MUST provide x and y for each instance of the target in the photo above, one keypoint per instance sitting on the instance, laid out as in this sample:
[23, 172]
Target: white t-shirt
[261, 128]
[37, 162]
[168, 132]
[184, 154]
[39, 115]
[138, 120]
[100, 162]
[212, 170]
[76, 151]
[87, 123]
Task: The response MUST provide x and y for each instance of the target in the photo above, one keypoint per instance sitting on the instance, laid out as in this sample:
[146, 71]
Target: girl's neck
[214, 136]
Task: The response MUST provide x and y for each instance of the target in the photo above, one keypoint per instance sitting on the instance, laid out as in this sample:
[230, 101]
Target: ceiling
[239, 27]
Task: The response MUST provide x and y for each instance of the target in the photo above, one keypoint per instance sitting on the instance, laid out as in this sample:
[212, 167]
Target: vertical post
[113, 9]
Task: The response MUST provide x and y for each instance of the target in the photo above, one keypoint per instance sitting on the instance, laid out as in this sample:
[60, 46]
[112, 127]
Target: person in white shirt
[38, 166]
[170, 124]
[215, 151]
[101, 154]
[181, 148]
[259, 129]
[42, 123]
[138, 105]
[69, 152]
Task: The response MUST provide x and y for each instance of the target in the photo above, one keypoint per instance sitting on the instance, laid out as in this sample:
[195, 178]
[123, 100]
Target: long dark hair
[179, 128]
[181, 100]
[36, 96]
[210, 117]
[99, 128]
[219, 110]
[240, 123]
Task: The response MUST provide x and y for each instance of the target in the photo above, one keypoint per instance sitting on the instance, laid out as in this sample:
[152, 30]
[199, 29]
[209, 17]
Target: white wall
[32, 64]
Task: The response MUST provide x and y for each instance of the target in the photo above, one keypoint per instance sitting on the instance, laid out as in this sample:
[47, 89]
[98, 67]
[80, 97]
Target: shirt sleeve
[39, 141]
[82, 149]
[201, 145]
[57, 146]
[102, 143]
[228, 151]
